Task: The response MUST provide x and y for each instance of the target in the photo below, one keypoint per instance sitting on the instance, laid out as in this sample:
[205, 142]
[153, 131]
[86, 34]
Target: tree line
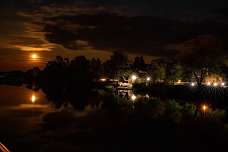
[167, 70]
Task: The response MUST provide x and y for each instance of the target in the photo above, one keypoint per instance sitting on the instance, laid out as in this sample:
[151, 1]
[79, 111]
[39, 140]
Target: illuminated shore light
[147, 96]
[193, 84]
[208, 83]
[133, 77]
[215, 84]
[148, 79]
[103, 79]
[204, 108]
[133, 97]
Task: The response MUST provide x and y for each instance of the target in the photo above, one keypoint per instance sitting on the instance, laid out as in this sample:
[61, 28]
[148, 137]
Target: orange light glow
[33, 98]
[103, 79]
[133, 97]
[204, 108]
[34, 56]
[35, 49]
[208, 83]
[3, 148]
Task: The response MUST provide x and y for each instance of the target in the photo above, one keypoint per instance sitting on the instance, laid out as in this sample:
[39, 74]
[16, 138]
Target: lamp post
[134, 78]
[193, 84]
[133, 97]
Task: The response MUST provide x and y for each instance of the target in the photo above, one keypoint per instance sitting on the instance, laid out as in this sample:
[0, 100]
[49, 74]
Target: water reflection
[33, 98]
[130, 95]
[21, 109]
[14, 97]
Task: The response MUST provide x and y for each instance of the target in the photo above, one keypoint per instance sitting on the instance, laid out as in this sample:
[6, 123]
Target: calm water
[22, 110]
[29, 122]
[21, 113]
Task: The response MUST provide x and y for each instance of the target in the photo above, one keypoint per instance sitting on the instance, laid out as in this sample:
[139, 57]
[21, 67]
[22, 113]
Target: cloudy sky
[95, 28]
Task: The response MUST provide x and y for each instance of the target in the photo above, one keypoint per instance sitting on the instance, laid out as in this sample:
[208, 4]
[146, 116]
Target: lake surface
[21, 113]
[29, 121]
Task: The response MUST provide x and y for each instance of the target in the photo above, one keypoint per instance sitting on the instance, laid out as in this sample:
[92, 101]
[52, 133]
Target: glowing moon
[34, 56]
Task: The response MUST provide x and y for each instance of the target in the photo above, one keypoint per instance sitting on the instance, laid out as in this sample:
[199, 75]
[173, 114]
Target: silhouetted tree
[201, 60]
[63, 80]
[32, 75]
[139, 63]
[159, 72]
[174, 72]
[115, 63]
[96, 68]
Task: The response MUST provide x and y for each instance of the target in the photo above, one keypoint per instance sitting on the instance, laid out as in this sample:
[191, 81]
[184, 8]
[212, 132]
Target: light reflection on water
[21, 109]
[24, 107]
[33, 98]
[130, 95]
[13, 96]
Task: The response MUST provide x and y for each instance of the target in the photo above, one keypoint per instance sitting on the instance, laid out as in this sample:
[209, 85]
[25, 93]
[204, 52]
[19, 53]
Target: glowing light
[47, 47]
[193, 84]
[215, 84]
[223, 84]
[3, 148]
[204, 108]
[208, 83]
[103, 79]
[147, 96]
[133, 77]
[133, 97]
[33, 98]
[34, 56]
[179, 81]
[148, 79]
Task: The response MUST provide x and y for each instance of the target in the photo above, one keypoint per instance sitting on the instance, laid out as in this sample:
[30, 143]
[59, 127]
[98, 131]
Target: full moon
[34, 56]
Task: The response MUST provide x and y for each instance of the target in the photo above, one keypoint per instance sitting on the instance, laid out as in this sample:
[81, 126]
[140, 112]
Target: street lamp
[208, 83]
[148, 79]
[147, 96]
[133, 97]
[103, 79]
[133, 77]
[193, 84]
[215, 84]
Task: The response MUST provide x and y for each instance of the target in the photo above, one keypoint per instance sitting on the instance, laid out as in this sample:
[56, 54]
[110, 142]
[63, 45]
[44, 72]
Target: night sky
[95, 28]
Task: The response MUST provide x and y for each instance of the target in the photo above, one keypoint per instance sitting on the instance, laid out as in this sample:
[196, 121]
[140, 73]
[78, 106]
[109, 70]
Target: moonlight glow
[34, 56]
[33, 98]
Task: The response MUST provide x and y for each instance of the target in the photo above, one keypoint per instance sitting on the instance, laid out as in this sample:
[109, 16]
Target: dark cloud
[140, 34]
[144, 27]
[222, 11]
[105, 31]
